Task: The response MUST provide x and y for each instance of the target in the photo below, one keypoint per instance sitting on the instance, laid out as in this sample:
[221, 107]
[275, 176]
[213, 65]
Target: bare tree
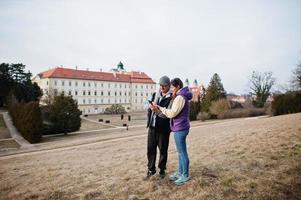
[296, 80]
[261, 84]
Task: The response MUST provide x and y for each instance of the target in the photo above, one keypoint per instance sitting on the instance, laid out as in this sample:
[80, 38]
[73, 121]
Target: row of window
[89, 93]
[101, 84]
[101, 101]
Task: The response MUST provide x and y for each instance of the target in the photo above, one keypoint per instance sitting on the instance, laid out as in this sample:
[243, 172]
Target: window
[69, 92]
[75, 92]
[89, 84]
[108, 100]
[95, 101]
[101, 84]
[84, 84]
[119, 100]
[89, 101]
[120, 94]
[95, 84]
[109, 85]
[63, 83]
[115, 85]
[142, 94]
[101, 93]
[136, 86]
[141, 86]
[95, 93]
[135, 93]
[84, 92]
[129, 93]
[76, 83]
[46, 82]
[69, 83]
[109, 93]
[84, 101]
[124, 93]
[89, 93]
[125, 85]
[101, 100]
[146, 86]
[115, 93]
[120, 85]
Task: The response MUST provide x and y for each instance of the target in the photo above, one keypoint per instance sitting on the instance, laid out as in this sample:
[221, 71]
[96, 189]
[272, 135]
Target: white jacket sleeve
[175, 109]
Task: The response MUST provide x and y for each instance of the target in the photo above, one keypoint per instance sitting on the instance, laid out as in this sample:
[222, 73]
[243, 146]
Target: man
[158, 129]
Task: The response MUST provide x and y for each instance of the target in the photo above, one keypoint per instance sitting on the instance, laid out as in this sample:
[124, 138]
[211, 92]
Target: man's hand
[155, 108]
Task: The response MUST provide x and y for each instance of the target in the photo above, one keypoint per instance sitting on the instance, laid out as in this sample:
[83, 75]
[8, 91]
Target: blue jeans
[180, 139]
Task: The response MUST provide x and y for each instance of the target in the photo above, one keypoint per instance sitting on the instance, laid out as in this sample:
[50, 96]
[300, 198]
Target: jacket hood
[186, 93]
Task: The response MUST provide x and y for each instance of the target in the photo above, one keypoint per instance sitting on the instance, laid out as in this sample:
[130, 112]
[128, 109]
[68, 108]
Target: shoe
[162, 174]
[174, 176]
[181, 180]
[149, 174]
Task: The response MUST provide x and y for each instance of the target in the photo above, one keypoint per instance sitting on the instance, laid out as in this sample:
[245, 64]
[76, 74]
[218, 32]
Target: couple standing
[169, 111]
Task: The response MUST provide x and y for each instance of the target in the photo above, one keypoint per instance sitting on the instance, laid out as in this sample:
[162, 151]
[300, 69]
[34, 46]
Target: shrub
[27, 119]
[246, 112]
[287, 103]
[203, 116]
[219, 107]
[64, 115]
[194, 109]
[115, 109]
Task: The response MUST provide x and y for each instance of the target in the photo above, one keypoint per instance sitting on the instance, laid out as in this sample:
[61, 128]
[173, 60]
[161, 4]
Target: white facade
[94, 96]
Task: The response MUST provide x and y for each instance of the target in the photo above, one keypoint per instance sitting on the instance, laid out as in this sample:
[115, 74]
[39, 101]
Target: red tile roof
[60, 72]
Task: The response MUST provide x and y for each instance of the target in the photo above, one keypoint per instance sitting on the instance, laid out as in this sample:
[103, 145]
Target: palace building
[96, 90]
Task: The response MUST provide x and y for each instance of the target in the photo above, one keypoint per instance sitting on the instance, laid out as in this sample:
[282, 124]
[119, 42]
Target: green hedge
[27, 119]
[287, 103]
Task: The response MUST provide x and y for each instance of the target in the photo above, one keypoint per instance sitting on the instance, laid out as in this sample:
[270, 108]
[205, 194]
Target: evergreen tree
[214, 91]
[15, 82]
[64, 114]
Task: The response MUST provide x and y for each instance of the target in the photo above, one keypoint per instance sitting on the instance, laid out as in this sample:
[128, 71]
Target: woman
[179, 124]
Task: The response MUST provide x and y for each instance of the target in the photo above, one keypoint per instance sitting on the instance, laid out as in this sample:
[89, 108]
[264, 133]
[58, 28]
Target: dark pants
[160, 138]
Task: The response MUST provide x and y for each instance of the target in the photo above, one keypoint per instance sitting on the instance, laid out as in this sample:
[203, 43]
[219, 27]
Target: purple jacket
[181, 121]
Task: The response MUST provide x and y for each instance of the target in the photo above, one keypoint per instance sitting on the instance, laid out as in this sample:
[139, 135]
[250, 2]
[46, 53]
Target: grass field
[251, 158]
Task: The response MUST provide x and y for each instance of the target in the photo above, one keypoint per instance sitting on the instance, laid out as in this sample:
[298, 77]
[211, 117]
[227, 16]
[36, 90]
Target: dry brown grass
[3, 130]
[257, 158]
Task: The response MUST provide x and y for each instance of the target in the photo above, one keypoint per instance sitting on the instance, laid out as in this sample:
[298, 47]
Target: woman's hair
[176, 82]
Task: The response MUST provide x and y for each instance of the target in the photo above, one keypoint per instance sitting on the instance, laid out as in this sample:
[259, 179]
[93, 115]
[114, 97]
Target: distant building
[95, 91]
[196, 90]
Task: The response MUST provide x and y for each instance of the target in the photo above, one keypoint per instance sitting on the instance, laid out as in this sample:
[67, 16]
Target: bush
[203, 116]
[287, 103]
[115, 109]
[64, 115]
[246, 112]
[194, 109]
[219, 107]
[27, 119]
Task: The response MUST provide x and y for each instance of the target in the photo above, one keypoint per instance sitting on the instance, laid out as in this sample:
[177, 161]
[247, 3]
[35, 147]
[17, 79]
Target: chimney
[100, 69]
[76, 67]
[87, 69]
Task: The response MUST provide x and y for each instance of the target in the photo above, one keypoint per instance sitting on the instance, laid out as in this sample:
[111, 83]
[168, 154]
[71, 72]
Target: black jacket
[161, 123]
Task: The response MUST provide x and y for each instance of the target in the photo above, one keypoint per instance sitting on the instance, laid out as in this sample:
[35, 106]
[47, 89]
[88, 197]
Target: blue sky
[186, 39]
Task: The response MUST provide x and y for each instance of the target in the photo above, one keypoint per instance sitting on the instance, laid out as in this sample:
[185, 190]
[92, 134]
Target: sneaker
[149, 174]
[181, 180]
[162, 174]
[174, 176]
